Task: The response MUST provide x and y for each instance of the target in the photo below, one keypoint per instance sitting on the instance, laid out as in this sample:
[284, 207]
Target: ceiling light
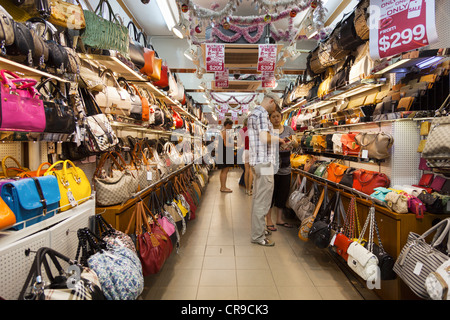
[178, 32]
[428, 62]
[191, 53]
[166, 7]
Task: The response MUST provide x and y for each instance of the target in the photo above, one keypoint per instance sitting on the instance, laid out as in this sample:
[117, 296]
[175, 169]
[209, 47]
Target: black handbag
[340, 79]
[136, 50]
[347, 178]
[58, 57]
[348, 38]
[59, 116]
[432, 203]
[23, 47]
[38, 28]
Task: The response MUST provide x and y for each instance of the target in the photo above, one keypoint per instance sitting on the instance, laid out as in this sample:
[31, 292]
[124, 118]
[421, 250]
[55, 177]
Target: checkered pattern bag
[101, 135]
[438, 142]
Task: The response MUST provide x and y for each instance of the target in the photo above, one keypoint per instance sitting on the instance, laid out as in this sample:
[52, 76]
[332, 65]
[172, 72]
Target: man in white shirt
[263, 148]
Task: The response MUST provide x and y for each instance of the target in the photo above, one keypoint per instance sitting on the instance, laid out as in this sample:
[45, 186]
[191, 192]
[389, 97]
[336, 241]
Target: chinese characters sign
[268, 80]
[221, 78]
[215, 57]
[400, 26]
[267, 57]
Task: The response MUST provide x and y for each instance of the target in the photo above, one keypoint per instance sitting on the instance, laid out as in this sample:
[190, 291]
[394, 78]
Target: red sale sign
[267, 57]
[268, 80]
[221, 78]
[214, 57]
[400, 26]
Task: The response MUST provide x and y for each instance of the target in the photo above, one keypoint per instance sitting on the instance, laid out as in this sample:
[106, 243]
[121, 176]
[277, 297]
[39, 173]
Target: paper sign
[400, 26]
[234, 115]
[221, 78]
[268, 80]
[267, 57]
[215, 57]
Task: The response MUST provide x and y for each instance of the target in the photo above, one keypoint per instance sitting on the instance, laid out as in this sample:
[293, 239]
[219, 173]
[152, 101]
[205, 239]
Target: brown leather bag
[405, 104]
[377, 144]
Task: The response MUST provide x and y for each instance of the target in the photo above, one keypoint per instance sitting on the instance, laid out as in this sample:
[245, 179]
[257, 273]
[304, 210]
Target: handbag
[360, 259]
[21, 108]
[438, 183]
[135, 100]
[74, 186]
[343, 239]
[438, 282]
[418, 258]
[336, 171]
[325, 87]
[376, 144]
[348, 38]
[7, 217]
[113, 99]
[105, 34]
[82, 285]
[363, 64]
[397, 202]
[118, 268]
[437, 146]
[341, 78]
[366, 181]
[144, 102]
[425, 128]
[136, 49]
[21, 50]
[32, 199]
[12, 171]
[433, 204]
[305, 205]
[298, 192]
[307, 223]
[112, 237]
[347, 178]
[164, 219]
[349, 145]
[321, 169]
[153, 244]
[6, 29]
[360, 20]
[59, 116]
[380, 193]
[67, 15]
[163, 81]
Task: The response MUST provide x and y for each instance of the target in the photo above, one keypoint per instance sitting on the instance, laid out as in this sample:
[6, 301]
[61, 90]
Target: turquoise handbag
[380, 193]
[32, 199]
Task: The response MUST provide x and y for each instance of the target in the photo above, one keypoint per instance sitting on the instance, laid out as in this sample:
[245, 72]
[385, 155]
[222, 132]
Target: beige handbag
[377, 144]
[113, 99]
[363, 65]
[397, 202]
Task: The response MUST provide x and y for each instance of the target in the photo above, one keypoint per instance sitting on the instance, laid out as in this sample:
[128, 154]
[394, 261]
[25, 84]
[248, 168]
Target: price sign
[215, 57]
[234, 115]
[400, 26]
[267, 57]
[268, 80]
[221, 78]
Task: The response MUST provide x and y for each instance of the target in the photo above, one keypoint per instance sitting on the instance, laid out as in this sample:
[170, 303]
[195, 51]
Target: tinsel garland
[239, 32]
[218, 100]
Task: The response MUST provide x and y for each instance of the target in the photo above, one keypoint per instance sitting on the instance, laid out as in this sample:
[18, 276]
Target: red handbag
[163, 82]
[153, 244]
[366, 181]
[349, 145]
[177, 120]
[346, 237]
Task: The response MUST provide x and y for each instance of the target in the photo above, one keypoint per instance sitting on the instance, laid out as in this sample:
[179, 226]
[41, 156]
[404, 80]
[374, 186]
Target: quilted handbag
[361, 260]
[438, 282]
[6, 29]
[336, 171]
[106, 34]
[74, 186]
[115, 188]
[349, 145]
[32, 199]
[418, 258]
[118, 268]
[82, 285]
[397, 202]
[376, 144]
[21, 108]
[366, 181]
[67, 15]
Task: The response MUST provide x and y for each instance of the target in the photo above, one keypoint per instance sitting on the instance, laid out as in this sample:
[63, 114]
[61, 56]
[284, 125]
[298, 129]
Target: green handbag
[105, 34]
[321, 169]
[309, 142]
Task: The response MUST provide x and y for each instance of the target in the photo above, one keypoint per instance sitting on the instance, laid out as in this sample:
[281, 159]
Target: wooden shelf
[29, 72]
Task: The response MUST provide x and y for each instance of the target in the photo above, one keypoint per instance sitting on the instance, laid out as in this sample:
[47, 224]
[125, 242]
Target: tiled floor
[217, 261]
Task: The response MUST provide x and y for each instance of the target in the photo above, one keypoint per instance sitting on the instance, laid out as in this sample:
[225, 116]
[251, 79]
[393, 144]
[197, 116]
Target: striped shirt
[260, 152]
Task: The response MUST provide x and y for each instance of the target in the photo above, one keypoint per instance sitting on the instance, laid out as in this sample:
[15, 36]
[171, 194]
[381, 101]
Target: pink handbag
[21, 108]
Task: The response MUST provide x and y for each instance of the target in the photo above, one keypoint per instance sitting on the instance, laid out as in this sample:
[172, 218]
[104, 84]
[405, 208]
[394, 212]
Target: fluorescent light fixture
[428, 62]
[393, 66]
[168, 10]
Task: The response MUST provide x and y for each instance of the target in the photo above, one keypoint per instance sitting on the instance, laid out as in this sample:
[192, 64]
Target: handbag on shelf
[437, 148]
[7, 217]
[366, 181]
[433, 204]
[105, 34]
[419, 258]
[336, 171]
[12, 171]
[163, 81]
[74, 186]
[6, 29]
[321, 169]
[349, 145]
[360, 20]
[40, 285]
[307, 223]
[114, 99]
[438, 183]
[337, 49]
[21, 108]
[380, 193]
[347, 178]
[425, 128]
[153, 244]
[136, 49]
[376, 144]
[397, 202]
[59, 116]
[348, 38]
[32, 199]
[340, 79]
[21, 50]
[325, 85]
[348, 234]
[66, 14]
[118, 268]
[135, 100]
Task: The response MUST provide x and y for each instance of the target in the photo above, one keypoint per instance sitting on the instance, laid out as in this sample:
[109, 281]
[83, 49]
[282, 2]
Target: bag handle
[5, 168]
[362, 171]
[442, 231]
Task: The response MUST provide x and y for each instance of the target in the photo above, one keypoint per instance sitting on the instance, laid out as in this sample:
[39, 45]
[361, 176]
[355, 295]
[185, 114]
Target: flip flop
[226, 190]
[286, 225]
[271, 227]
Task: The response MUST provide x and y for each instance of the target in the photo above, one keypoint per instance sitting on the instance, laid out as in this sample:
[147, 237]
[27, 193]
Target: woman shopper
[225, 153]
[248, 175]
[282, 177]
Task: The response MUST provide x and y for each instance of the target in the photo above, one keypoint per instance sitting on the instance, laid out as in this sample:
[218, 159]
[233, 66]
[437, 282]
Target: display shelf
[9, 236]
[343, 157]
[21, 69]
[136, 127]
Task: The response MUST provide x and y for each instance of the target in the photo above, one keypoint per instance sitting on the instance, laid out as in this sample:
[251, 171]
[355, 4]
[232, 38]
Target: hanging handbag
[361, 260]
[438, 282]
[348, 38]
[324, 87]
[135, 100]
[360, 20]
[58, 57]
[163, 81]
[337, 49]
[82, 285]
[349, 145]
[21, 50]
[313, 62]
[343, 239]
[366, 181]
[149, 60]
[136, 50]
[307, 223]
[376, 144]
[112, 237]
[299, 191]
[106, 34]
[336, 171]
[347, 178]
[437, 147]
[38, 28]
[32, 199]
[418, 258]
[145, 104]
[113, 99]
[59, 116]
[341, 78]
[74, 186]
[6, 30]
[21, 108]
[118, 268]
[363, 64]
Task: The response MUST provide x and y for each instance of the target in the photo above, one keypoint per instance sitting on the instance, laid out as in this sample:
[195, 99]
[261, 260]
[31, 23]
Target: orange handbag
[163, 82]
[7, 217]
[149, 57]
[156, 74]
[38, 173]
[349, 145]
[336, 171]
[145, 105]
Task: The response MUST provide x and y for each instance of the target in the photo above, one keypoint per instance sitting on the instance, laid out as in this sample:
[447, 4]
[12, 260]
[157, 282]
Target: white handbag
[337, 144]
[175, 157]
[361, 260]
[438, 282]
[113, 99]
[173, 86]
[297, 194]
[363, 65]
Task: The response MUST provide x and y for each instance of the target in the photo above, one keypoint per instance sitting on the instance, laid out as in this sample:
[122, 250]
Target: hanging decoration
[239, 32]
[246, 99]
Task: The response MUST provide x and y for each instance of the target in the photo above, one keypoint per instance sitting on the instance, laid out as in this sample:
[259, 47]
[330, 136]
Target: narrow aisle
[217, 261]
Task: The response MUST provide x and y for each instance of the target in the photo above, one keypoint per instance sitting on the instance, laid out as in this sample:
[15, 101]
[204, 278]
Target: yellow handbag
[183, 210]
[421, 145]
[324, 87]
[299, 160]
[73, 184]
[425, 128]
[12, 171]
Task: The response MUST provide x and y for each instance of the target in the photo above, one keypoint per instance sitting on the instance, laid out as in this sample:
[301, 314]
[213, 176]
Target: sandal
[265, 242]
[286, 225]
[272, 227]
[226, 190]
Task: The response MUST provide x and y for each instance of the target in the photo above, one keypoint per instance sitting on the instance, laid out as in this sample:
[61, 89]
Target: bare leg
[223, 180]
[269, 223]
[248, 178]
